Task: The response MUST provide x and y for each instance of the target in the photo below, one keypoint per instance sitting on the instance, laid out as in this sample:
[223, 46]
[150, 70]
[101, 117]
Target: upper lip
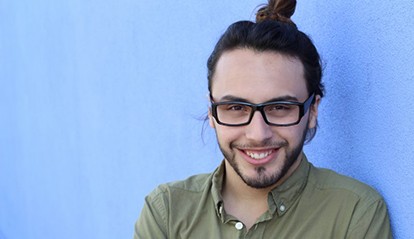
[258, 149]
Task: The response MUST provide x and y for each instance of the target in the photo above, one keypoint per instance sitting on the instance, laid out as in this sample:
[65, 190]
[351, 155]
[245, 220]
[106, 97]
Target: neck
[245, 203]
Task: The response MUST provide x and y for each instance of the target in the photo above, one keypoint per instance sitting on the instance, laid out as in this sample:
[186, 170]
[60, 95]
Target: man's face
[260, 154]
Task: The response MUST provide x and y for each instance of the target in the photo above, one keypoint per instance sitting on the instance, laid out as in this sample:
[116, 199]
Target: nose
[258, 130]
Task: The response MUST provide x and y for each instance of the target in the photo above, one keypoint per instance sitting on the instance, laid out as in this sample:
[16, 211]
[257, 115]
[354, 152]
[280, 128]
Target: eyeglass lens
[234, 113]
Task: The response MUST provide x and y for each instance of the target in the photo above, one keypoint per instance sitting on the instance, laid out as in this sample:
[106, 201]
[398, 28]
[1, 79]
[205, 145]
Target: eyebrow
[280, 98]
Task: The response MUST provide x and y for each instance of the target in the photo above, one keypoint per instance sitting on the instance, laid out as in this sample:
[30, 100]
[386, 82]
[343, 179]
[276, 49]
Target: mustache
[264, 144]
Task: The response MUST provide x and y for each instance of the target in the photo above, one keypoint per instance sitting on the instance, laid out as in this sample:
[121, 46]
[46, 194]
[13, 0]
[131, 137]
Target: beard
[263, 179]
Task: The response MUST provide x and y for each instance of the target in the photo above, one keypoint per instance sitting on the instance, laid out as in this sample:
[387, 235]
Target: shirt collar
[283, 196]
[217, 185]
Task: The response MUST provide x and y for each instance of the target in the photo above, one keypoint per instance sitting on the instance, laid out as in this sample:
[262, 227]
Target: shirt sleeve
[152, 221]
[372, 223]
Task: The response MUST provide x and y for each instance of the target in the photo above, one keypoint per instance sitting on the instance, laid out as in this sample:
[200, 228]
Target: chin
[263, 176]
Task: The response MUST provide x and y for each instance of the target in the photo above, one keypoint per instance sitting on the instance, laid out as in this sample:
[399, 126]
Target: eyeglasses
[276, 113]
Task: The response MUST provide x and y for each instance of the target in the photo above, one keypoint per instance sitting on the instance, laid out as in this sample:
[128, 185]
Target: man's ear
[211, 119]
[313, 112]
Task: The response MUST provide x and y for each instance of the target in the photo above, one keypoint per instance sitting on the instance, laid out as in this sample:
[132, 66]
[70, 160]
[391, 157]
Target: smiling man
[264, 80]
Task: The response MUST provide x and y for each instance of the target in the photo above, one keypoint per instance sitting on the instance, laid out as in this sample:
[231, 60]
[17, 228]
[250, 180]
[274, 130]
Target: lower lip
[258, 162]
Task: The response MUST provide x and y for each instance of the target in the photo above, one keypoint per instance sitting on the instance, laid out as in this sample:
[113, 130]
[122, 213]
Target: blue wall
[100, 101]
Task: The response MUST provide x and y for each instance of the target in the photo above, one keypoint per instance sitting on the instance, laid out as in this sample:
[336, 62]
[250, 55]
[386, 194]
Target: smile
[258, 155]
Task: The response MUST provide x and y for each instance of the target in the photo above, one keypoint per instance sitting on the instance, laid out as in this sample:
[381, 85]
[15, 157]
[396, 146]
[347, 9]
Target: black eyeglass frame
[303, 109]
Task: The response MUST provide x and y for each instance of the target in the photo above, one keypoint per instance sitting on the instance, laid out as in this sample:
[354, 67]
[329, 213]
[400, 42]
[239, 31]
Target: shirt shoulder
[192, 185]
[329, 180]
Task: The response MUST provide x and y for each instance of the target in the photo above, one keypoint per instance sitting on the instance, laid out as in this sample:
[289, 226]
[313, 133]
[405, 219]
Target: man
[265, 89]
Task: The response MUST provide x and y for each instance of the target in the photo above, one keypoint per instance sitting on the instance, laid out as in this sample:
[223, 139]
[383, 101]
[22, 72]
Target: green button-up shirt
[312, 203]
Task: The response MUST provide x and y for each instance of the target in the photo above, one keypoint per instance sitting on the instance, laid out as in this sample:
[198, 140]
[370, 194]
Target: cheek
[226, 135]
[292, 134]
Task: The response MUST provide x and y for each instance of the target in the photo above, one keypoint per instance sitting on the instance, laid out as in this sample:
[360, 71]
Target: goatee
[263, 178]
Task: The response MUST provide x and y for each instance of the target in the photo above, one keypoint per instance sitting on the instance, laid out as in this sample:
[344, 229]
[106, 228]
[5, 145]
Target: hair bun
[279, 10]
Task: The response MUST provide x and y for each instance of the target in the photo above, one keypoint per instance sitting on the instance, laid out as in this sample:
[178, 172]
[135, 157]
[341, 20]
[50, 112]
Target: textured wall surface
[100, 101]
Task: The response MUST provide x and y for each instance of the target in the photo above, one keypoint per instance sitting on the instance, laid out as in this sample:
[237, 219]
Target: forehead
[258, 76]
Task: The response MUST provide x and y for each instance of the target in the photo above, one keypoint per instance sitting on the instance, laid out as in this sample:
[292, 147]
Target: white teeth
[258, 155]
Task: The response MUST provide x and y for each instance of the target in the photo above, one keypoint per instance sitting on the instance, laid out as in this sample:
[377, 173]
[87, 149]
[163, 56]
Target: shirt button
[282, 208]
[239, 225]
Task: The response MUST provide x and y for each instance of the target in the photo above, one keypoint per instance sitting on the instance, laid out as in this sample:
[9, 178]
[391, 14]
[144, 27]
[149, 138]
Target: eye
[236, 107]
[279, 107]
